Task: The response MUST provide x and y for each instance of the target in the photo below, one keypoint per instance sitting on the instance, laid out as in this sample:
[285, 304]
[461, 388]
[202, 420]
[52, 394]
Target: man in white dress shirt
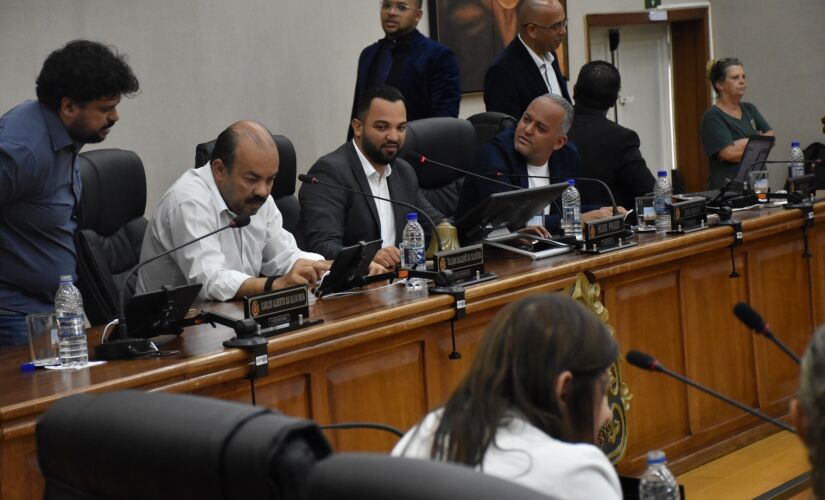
[236, 262]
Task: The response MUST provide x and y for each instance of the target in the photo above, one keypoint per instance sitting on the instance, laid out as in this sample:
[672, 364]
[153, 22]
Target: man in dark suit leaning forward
[332, 218]
[528, 68]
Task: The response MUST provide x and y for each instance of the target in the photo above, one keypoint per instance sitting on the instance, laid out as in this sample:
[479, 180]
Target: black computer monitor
[511, 209]
[757, 150]
[156, 313]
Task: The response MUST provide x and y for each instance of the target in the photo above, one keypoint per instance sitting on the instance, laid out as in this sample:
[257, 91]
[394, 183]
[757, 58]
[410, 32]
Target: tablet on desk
[351, 264]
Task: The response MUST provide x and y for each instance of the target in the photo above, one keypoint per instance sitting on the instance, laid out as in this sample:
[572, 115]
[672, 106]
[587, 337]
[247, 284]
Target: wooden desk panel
[383, 356]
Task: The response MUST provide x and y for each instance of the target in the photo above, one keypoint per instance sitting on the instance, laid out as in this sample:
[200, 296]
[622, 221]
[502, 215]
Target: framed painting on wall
[477, 30]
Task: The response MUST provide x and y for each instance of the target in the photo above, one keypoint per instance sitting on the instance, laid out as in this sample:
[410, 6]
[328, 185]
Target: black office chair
[283, 191]
[816, 151]
[366, 476]
[130, 444]
[451, 141]
[488, 124]
[112, 228]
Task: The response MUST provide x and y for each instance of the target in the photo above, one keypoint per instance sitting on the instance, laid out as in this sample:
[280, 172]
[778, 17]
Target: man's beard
[89, 138]
[376, 154]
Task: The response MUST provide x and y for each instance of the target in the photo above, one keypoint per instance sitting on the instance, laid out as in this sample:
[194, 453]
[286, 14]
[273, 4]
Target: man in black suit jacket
[332, 218]
[608, 151]
[528, 67]
[425, 71]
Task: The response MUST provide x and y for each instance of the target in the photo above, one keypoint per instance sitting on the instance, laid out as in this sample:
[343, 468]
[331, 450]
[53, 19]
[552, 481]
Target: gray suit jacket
[332, 218]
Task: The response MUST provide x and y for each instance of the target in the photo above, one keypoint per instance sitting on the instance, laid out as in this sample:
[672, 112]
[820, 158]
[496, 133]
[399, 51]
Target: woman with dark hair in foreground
[532, 403]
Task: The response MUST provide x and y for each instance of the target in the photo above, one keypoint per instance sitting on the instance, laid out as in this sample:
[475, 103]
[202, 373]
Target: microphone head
[240, 221]
[421, 158]
[749, 317]
[642, 360]
[305, 178]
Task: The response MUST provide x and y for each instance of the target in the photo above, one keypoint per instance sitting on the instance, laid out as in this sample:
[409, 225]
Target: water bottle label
[69, 326]
[660, 204]
[413, 257]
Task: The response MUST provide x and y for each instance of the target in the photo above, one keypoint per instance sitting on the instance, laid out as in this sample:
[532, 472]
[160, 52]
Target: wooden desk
[383, 356]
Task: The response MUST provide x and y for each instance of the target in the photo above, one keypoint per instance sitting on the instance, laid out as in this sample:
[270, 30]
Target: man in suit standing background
[528, 67]
[425, 71]
[333, 218]
[608, 151]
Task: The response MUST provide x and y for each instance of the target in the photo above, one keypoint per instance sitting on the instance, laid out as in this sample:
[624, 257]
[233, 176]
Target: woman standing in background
[728, 124]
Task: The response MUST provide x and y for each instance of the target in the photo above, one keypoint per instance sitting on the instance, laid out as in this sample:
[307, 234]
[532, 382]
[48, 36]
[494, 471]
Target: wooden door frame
[690, 49]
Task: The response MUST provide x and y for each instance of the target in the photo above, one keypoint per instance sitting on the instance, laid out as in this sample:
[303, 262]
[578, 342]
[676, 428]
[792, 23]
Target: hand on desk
[303, 272]
[602, 213]
[387, 257]
[376, 268]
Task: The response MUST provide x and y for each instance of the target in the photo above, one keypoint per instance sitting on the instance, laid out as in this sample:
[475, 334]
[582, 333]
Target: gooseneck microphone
[754, 321]
[647, 362]
[120, 345]
[423, 159]
[314, 180]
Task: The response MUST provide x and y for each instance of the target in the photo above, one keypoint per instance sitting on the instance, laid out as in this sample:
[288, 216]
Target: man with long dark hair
[78, 91]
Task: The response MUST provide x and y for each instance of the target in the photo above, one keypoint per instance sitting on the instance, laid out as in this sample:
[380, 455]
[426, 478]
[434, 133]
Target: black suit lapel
[535, 79]
[397, 188]
[363, 184]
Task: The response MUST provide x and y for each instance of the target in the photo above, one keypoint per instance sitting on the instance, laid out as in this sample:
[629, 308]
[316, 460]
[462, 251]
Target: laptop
[757, 150]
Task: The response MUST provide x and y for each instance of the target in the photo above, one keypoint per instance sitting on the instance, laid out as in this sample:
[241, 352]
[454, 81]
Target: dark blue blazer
[513, 81]
[499, 156]
[431, 85]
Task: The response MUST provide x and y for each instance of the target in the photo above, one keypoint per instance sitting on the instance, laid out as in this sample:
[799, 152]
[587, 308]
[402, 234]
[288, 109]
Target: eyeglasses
[561, 25]
[400, 7]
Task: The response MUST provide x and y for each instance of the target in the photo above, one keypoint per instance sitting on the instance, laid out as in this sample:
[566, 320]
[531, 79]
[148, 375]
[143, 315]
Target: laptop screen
[757, 149]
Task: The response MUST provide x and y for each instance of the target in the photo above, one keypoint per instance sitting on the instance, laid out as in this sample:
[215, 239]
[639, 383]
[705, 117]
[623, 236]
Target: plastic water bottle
[662, 196]
[658, 483]
[796, 168]
[571, 210]
[412, 251]
[68, 305]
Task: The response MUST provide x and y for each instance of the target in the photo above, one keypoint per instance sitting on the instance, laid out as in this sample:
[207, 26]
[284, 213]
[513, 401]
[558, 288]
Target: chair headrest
[114, 189]
[159, 445]
[365, 476]
[284, 184]
[488, 124]
[446, 140]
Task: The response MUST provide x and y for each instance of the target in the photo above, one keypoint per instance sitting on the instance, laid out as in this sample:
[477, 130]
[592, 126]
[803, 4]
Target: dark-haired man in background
[425, 71]
[332, 218]
[608, 151]
[78, 90]
[238, 262]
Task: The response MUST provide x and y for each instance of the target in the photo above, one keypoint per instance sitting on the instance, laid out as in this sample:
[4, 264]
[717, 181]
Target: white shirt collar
[369, 170]
[547, 59]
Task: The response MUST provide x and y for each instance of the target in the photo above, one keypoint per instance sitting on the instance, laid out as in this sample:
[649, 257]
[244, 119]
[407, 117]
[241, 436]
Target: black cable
[363, 425]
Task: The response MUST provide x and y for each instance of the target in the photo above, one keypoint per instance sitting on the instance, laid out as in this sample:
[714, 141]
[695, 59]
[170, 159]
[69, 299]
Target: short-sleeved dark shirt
[39, 195]
[719, 130]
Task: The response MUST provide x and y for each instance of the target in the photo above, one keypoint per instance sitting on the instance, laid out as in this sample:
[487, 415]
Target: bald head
[246, 130]
[244, 164]
[542, 25]
[543, 128]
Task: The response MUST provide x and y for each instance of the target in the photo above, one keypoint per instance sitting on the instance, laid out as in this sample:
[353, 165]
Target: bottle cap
[662, 173]
[571, 182]
[66, 278]
[412, 216]
[795, 144]
[656, 457]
